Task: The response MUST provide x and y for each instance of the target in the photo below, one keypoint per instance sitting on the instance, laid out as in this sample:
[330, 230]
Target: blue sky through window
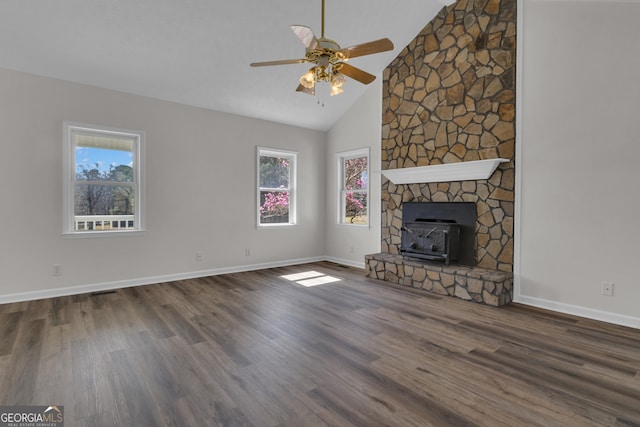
[87, 157]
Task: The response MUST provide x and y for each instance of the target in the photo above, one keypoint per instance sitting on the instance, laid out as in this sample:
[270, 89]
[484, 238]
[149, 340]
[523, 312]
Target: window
[276, 187]
[353, 168]
[102, 180]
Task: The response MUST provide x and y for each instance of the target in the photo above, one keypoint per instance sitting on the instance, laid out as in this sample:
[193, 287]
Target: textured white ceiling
[197, 52]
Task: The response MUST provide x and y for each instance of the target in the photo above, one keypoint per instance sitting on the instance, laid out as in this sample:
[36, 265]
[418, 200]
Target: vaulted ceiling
[197, 52]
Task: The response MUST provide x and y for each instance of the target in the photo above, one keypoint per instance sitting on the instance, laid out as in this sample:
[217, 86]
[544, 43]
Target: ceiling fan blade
[356, 73]
[310, 91]
[306, 36]
[280, 62]
[369, 48]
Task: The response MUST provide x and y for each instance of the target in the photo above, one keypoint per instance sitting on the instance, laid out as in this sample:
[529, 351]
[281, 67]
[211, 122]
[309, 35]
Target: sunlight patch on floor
[311, 278]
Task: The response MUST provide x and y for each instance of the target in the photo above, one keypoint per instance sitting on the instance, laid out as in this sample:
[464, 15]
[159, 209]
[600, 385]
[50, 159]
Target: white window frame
[272, 152]
[71, 129]
[341, 191]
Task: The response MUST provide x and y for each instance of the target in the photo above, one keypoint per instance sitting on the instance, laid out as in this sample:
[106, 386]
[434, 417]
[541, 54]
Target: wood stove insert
[439, 231]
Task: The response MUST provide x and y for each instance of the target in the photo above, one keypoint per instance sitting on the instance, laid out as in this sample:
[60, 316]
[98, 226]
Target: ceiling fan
[329, 59]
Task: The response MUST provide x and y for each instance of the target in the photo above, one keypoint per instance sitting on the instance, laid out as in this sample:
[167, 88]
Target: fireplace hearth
[437, 253]
[485, 286]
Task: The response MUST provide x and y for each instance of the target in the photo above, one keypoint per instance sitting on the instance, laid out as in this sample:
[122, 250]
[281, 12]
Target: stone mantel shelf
[448, 172]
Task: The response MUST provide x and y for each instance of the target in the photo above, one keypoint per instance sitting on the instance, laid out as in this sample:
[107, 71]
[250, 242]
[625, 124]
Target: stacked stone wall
[450, 97]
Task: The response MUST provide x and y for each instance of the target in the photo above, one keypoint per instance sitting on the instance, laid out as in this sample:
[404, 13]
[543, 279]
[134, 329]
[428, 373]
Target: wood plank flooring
[256, 349]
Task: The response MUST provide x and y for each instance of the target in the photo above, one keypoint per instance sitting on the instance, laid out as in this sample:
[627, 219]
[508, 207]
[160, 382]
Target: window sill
[101, 234]
[342, 224]
[275, 226]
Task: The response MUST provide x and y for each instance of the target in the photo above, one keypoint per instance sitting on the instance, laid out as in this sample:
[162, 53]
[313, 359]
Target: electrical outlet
[607, 288]
[56, 270]
[199, 256]
[247, 252]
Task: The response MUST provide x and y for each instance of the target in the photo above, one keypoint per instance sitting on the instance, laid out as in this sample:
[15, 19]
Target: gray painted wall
[579, 151]
[200, 191]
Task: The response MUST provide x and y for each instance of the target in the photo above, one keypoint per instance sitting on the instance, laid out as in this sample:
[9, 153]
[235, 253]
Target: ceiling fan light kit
[329, 60]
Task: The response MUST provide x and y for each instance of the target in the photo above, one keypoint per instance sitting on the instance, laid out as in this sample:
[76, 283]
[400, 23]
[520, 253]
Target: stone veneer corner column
[450, 97]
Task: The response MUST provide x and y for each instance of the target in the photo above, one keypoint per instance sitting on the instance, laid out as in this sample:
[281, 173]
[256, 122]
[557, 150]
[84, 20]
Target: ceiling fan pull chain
[320, 89]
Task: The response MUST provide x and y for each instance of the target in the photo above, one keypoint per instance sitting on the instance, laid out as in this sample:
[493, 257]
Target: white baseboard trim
[108, 286]
[576, 310]
[345, 262]
[618, 319]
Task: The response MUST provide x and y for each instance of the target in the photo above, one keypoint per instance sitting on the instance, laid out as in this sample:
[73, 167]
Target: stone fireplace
[449, 98]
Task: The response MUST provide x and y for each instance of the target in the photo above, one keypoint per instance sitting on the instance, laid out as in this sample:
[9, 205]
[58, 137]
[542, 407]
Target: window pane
[102, 179]
[104, 223]
[355, 207]
[355, 173]
[104, 200]
[274, 172]
[100, 164]
[274, 207]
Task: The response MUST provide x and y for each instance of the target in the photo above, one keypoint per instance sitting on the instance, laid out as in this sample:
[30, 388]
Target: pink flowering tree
[274, 189]
[274, 205]
[355, 186]
[354, 204]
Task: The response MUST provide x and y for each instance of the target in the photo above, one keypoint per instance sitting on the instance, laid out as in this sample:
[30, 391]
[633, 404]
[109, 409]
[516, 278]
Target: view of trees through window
[354, 191]
[103, 193]
[102, 180]
[275, 188]
[104, 187]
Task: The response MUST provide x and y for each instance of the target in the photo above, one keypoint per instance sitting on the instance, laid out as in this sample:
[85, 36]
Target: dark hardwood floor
[256, 349]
